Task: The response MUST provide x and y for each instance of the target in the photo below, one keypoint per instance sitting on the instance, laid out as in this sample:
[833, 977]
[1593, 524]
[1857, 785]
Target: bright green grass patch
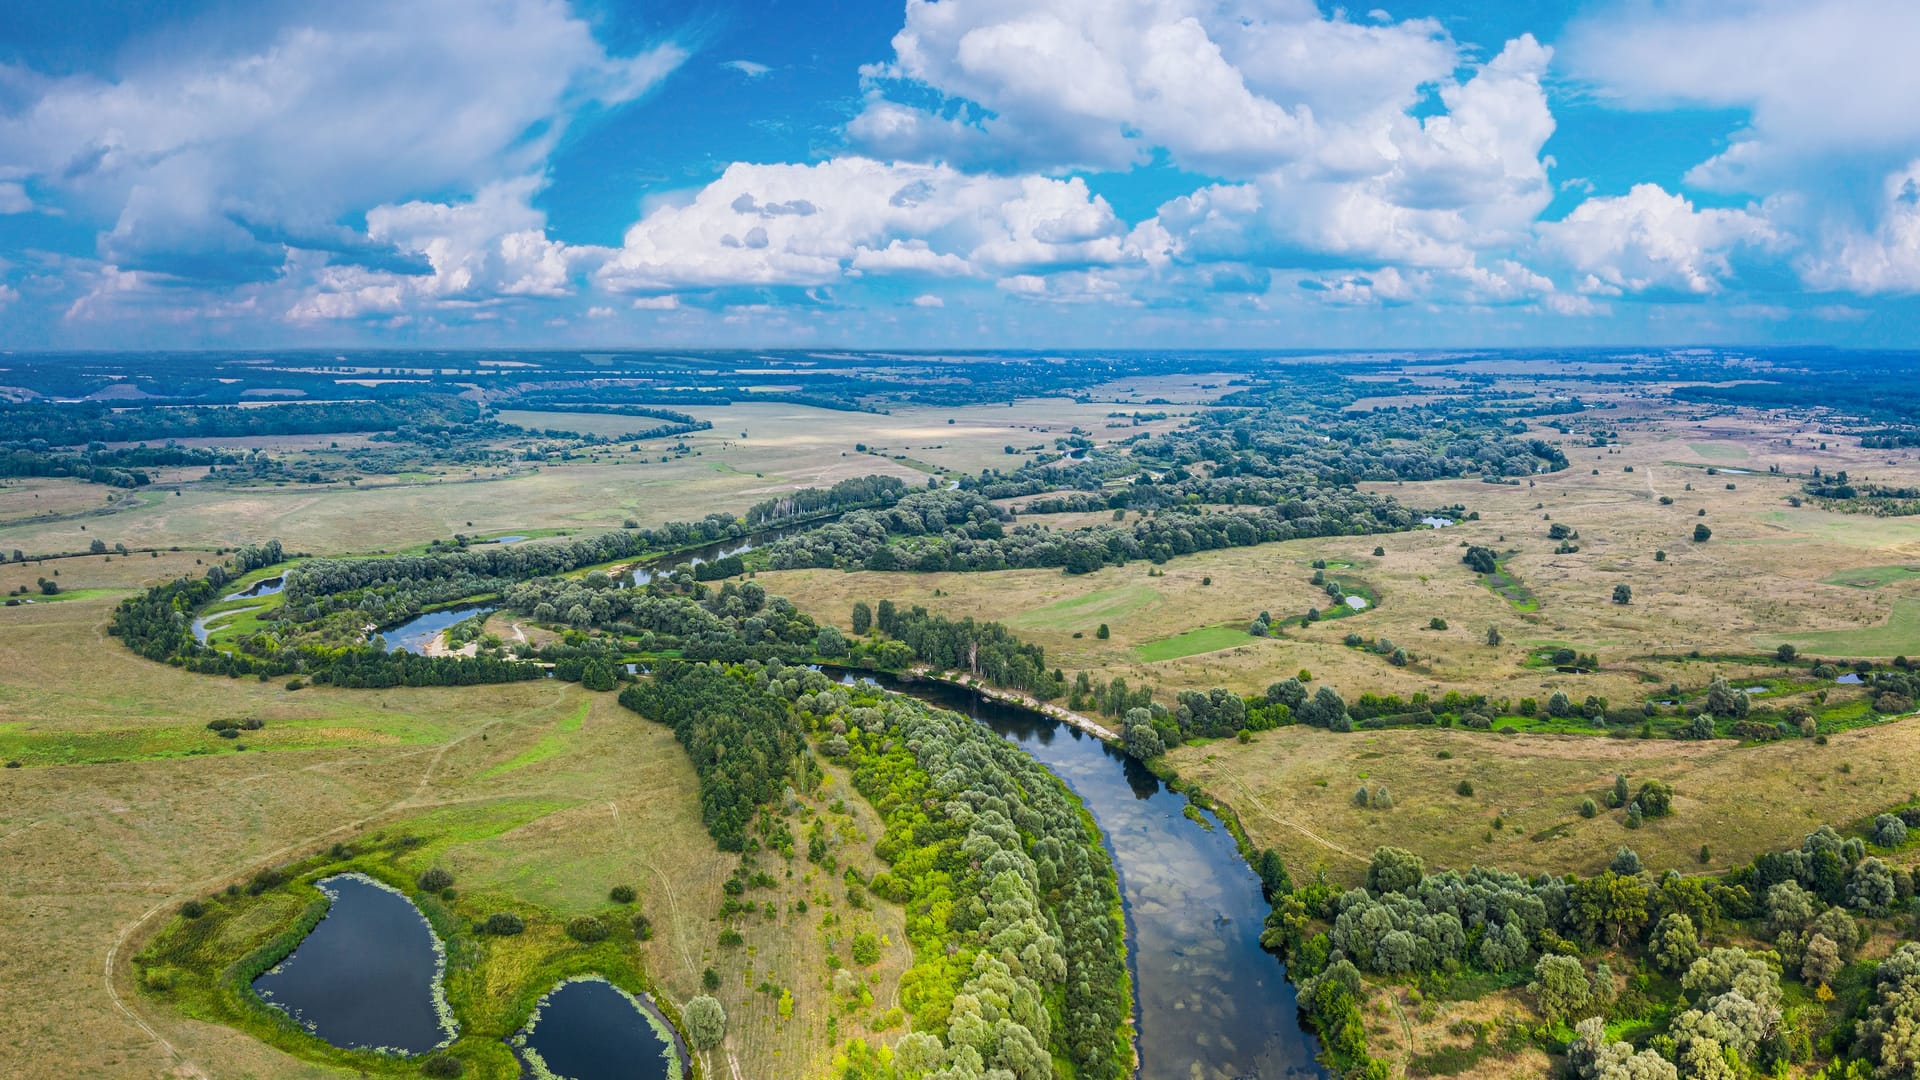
[1899, 635]
[549, 745]
[1872, 577]
[1510, 588]
[1205, 639]
[1719, 451]
[1080, 612]
[74, 594]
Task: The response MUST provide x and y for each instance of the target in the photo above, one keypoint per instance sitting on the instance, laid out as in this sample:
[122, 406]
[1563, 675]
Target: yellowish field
[784, 447]
[99, 854]
[1293, 790]
[1758, 581]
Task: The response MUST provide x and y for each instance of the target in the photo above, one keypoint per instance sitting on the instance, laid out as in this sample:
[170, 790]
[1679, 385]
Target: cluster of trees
[1012, 904]
[962, 533]
[745, 744]
[1407, 921]
[98, 465]
[79, 424]
[988, 650]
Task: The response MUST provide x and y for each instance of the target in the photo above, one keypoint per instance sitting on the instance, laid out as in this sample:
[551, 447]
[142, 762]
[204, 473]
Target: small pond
[260, 588]
[1357, 603]
[1851, 678]
[1436, 522]
[503, 540]
[589, 1029]
[417, 633]
[368, 976]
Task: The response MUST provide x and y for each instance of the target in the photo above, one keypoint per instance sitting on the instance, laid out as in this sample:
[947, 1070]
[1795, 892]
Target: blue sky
[966, 173]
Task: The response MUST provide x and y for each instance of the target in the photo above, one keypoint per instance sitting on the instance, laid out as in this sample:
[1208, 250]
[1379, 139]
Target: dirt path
[411, 802]
[1270, 815]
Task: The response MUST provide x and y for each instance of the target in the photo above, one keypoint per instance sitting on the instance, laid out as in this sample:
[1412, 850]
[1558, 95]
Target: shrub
[865, 948]
[586, 928]
[642, 928]
[710, 979]
[193, 909]
[1655, 799]
[504, 924]
[1587, 809]
[1465, 788]
[443, 1067]
[434, 880]
[621, 894]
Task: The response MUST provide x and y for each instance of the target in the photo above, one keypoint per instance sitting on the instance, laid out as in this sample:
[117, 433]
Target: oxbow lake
[590, 1030]
[368, 976]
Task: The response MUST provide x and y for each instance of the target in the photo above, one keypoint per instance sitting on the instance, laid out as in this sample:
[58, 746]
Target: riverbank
[1024, 700]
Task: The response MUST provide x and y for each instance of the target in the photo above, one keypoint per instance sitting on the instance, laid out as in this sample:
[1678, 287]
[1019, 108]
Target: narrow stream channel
[1213, 1004]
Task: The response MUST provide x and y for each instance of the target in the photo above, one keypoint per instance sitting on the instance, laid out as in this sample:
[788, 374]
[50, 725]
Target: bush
[710, 979]
[642, 928]
[865, 949]
[586, 928]
[443, 1067]
[621, 894]
[504, 924]
[706, 1022]
[1465, 788]
[435, 880]
[1587, 809]
[193, 909]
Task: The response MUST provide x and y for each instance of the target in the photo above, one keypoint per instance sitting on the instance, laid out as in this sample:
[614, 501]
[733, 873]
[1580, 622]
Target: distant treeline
[76, 424]
[98, 465]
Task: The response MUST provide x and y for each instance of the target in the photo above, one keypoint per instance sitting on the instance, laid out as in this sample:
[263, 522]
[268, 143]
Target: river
[1213, 1004]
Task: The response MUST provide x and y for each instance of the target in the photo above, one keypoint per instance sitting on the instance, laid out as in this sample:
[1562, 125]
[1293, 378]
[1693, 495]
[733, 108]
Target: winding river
[1213, 1004]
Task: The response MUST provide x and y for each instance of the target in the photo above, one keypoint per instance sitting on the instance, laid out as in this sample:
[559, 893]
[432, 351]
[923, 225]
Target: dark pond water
[260, 588]
[503, 540]
[1851, 678]
[417, 633]
[368, 975]
[588, 1030]
[1213, 1004]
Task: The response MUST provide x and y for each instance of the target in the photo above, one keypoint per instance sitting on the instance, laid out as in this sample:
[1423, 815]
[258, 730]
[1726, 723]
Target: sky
[958, 174]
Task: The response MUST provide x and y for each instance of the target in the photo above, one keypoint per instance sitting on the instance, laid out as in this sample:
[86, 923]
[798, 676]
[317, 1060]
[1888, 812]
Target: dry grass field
[1293, 790]
[533, 793]
[783, 447]
[1769, 574]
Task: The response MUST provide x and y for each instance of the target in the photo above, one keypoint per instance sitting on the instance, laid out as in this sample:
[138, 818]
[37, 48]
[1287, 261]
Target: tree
[98, 547]
[1623, 593]
[1724, 701]
[1493, 635]
[1625, 861]
[1870, 887]
[598, 676]
[1394, 869]
[706, 1022]
[1273, 873]
[434, 880]
[1886, 1036]
[1559, 705]
[1481, 560]
[1701, 534]
[1103, 633]
[1785, 654]
[1889, 831]
[862, 618]
[830, 642]
[1821, 961]
[1674, 944]
[1655, 799]
[1560, 988]
[1619, 795]
[1139, 737]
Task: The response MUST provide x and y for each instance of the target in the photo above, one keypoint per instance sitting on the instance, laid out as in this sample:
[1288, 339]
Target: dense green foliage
[739, 734]
[1012, 904]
